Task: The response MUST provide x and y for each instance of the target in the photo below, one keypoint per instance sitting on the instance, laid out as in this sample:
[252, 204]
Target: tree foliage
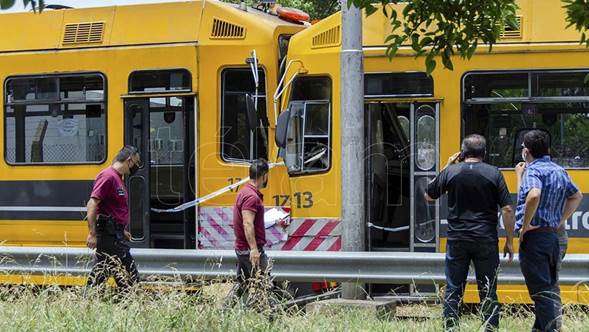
[443, 27]
[35, 4]
[578, 16]
[317, 9]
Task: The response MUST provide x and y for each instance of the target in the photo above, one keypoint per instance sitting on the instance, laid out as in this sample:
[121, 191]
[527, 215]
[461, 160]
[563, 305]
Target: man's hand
[91, 241]
[524, 230]
[127, 235]
[508, 250]
[282, 223]
[255, 257]
[519, 169]
[453, 159]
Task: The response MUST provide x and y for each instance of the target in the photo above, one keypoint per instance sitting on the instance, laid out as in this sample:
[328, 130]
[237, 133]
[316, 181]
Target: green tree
[578, 15]
[317, 9]
[448, 27]
[443, 27]
[35, 4]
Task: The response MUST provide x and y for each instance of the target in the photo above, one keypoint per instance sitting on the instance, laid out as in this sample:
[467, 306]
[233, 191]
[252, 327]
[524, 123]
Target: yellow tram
[173, 79]
[533, 78]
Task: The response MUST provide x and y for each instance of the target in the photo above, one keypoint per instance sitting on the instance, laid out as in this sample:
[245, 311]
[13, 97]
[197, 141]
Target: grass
[73, 309]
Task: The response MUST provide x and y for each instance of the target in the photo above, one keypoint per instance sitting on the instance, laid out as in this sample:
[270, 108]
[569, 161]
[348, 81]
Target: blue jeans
[485, 257]
[539, 256]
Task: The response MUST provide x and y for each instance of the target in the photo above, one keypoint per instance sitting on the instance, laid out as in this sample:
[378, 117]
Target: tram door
[402, 158]
[162, 128]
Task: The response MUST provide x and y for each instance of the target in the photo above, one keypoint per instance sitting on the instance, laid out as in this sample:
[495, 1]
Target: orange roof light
[292, 14]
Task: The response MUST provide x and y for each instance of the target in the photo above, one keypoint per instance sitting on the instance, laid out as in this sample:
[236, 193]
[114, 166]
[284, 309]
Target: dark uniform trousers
[253, 280]
[539, 259]
[113, 256]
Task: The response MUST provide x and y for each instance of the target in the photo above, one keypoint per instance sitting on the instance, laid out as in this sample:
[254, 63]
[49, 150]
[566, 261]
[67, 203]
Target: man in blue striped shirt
[546, 199]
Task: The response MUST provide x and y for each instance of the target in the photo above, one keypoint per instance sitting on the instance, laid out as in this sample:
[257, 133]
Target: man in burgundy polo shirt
[108, 219]
[250, 234]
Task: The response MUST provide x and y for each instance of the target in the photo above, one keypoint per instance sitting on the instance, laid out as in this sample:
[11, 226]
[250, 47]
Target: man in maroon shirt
[108, 218]
[250, 234]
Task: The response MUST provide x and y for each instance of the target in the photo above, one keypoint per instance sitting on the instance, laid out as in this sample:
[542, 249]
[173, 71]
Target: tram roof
[203, 21]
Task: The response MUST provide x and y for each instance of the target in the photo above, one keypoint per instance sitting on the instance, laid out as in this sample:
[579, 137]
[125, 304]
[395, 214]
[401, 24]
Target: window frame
[329, 137]
[139, 93]
[222, 82]
[57, 102]
[529, 99]
[400, 96]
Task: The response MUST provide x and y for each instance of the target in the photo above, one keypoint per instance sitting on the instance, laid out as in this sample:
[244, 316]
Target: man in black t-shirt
[476, 191]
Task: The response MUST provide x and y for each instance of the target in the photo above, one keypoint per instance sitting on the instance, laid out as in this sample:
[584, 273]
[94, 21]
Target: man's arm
[520, 168]
[532, 202]
[436, 188]
[531, 183]
[508, 220]
[92, 207]
[570, 206]
[250, 235]
[509, 223]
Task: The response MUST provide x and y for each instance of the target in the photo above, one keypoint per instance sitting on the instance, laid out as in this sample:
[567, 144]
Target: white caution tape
[387, 229]
[209, 196]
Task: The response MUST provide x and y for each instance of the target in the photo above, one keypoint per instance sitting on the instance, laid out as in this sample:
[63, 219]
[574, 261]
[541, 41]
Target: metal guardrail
[372, 267]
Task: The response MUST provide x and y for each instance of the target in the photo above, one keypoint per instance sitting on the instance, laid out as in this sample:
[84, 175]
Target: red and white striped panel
[313, 235]
[215, 231]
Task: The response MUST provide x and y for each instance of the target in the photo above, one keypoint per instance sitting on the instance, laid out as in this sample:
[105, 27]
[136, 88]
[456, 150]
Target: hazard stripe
[337, 246]
[297, 235]
[219, 229]
[304, 228]
[330, 226]
[317, 240]
[210, 238]
[291, 242]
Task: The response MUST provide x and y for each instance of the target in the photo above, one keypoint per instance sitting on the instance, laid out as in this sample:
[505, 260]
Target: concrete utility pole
[352, 140]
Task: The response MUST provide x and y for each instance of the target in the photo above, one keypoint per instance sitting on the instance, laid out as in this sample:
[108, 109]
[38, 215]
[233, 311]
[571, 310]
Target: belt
[108, 224]
[247, 251]
[543, 230]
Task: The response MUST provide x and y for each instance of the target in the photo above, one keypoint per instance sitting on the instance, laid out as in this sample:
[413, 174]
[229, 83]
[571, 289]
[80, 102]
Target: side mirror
[250, 112]
[282, 129]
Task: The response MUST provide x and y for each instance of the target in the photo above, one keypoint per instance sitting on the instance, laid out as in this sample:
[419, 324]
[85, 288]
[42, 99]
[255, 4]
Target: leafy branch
[442, 28]
[578, 15]
[36, 5]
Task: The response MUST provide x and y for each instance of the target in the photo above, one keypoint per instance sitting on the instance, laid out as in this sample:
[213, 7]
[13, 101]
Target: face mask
[524, 154]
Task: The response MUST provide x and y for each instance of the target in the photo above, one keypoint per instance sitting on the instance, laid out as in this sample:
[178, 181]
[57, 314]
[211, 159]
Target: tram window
[496, 85]
[398, 85]
[23, 89]
[500, 119]
[238, 142]
[562, 84]
[55, 120]
[311, 88]
[150, 81]
[283, 42]
[308, 148]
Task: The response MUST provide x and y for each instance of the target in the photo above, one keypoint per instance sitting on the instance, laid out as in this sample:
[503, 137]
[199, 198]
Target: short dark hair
[258, 168]
[126, 152]
[537, 142]
[474, 146]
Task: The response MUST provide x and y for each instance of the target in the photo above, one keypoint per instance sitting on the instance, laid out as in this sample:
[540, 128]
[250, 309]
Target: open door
[137, 134]
[163, 129]
[402, 158]
[402, 145]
